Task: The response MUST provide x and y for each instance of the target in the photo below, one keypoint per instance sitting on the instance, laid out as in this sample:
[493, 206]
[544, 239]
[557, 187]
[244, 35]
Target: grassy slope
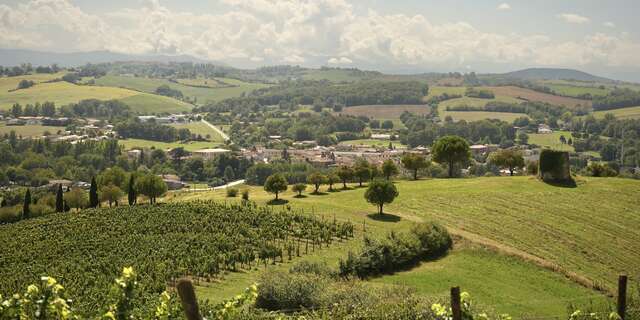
[202, 94]
[551, 140]
[624, 113]
[29, 130]
[477, 115]
[151, 103]
[190, 146]
[201, 129]
[591, 229]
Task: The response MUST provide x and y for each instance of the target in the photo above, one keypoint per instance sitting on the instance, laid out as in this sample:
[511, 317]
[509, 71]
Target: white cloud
[341, 60]
[609, 24]
[504, 6]
[574, 18]
[252, 32]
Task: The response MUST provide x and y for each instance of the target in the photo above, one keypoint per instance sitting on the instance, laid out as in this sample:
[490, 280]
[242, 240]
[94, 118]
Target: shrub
[283, 291]
[10, 214]
[232, 192]
[245, 194]
[597, 169]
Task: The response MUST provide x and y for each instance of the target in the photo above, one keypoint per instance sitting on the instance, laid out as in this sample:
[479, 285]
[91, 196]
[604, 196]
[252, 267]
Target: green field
[570, 229]
[29, 130]
[201, 129]
[129, 144]
[373, 143]
[551, 140]
[624, 113]
[576, 90]
[150, 103]
[203, 95]
[334, 75]
[477, 115]
[11, 83]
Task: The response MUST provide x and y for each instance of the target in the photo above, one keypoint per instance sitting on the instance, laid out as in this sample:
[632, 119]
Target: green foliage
[451, 150]
[151, 186]
[232, 192]
[508, 159]
[59, 199]
[554, 166]
[275, 184]
[345, 173]
[316, 179]
[299, 188]
[396, 251]
[389, 169]
[597, 169]
[381, 192]
[362, 170]
[132, 196]
[94, 201]
[26, 212]
[76, 198]
[110, 194]
[415, 163]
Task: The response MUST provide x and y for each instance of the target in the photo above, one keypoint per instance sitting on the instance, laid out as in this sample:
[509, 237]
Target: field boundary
[541, 262]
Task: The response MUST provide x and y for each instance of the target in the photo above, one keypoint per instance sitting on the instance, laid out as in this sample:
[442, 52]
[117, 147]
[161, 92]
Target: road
[228, 185]
[216, 129]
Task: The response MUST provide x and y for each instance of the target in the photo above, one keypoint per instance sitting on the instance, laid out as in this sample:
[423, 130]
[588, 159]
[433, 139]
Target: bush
[245, 194]
[283, 291]
[232, 192]
[10, 214]
[597, 169]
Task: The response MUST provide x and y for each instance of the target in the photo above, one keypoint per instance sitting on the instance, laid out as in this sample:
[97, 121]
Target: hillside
[554, 74]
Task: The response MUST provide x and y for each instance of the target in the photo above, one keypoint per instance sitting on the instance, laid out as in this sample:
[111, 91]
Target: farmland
[530, 95]
[551, 140]
[154, 240]
[477, 115]
[29, 130]
[373, 143]
[386, 111]
[203, 95]
[188, 146]
[199, 128]
[624, 113]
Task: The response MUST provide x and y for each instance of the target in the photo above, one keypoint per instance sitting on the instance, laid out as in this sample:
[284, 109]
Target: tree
[76, 198]
[276, 183]
[345, 173]
[110, 194]
[229, 175]
[563, 140]
[362, 171]
[332, 178]
[414, 162]
[151, 186]
[507, 159]
[59, 199]
[316, 179]
[131, 192]
[26, 212]
[387, 124]
[451, 150]
[389, 169]
[523, 138]
[299, 188]
[380, 192]
[94, 201]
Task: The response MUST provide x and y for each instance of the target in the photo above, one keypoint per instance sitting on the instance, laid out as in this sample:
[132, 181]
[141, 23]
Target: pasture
[577, 90]
[385, 111]
[203, 95]
[201, 129]
[530, 95]
[551, 140]
[477, 115]
[29, 130]
[624, 113]
[589, 231]
[129, 144]
[373, 143]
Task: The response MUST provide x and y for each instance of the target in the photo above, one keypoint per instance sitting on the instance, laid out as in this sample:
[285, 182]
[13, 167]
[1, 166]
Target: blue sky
[395, 36]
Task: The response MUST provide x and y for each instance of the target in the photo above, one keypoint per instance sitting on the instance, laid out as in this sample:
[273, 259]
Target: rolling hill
[554, 74]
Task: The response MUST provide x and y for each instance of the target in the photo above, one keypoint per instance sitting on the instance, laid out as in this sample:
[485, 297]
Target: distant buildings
[544, 129]
[210, 154]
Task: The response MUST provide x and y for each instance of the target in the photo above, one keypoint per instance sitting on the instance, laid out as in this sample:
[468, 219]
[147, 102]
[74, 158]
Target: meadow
[551, 140]
[587, 233]
[477, 115]
[530, 95]
[203, 95]
[624, 113]
[385, 111]
[29, 130]
[129, 144]
[373, 143]
[201, 129]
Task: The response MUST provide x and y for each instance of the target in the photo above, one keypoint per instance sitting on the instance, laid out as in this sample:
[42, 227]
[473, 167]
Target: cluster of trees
[25, 84]
[91, 108]
[443, 97]
[386, 124]
[151, 131]
[46, 109]
[165, 90]
[618, 98]
[477, 93]
[27, 68]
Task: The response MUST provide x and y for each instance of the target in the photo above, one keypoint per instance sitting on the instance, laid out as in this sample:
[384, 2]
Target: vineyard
[200, 240]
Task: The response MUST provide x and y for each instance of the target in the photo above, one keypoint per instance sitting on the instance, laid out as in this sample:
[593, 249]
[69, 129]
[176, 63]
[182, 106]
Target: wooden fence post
[188, 298]
[622, 296]
[456, 309]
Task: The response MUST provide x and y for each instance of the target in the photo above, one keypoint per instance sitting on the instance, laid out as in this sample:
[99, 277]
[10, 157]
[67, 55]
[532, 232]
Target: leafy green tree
[345, 173]
[507, 159]
[316, 179]
[94, 201]
[332, 179]
[299, 188]
[523, 138]
[380, 192]
[110, 194]
[451, 150]
[59, 199]
[389, 169]
[131, 191]
[275, 184]
[26, 211]
[76, 198]
[414, 162]
[229, 175]
[362, 171]
[113, 176]
[151, 186]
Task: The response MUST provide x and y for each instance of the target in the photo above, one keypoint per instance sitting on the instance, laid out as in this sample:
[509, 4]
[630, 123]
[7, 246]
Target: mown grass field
[203, 95]
[624, 113]
[129, 144]
[29, 130]
[551, 140]
[590, 230]
[11, 83]
[202, 129]
[385, 111]
[530, 95]
[477, 115]
[63, 93]
[577, 90]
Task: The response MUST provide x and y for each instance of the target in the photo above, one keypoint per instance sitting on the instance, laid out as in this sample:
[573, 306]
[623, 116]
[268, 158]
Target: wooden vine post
[189, 301]
[622, 296]
[456, 308]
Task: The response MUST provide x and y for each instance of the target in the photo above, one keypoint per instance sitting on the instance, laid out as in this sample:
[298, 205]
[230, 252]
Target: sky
[399, 36]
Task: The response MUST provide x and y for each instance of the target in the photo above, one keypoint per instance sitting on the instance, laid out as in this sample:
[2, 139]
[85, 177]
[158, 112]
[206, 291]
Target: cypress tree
[93, 194]
[132, 192]
[27, 201]
[59, 199]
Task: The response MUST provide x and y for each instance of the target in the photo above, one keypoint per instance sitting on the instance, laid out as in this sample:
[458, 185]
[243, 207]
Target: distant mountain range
[13, 57]
[554, 74]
